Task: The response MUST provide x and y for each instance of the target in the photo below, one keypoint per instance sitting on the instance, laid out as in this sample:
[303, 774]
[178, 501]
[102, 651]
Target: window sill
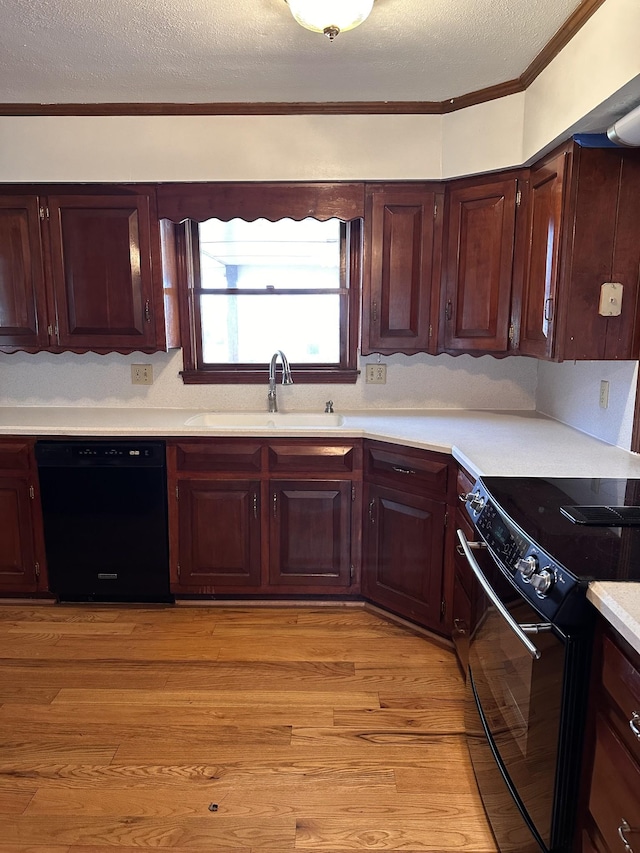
[260, 376]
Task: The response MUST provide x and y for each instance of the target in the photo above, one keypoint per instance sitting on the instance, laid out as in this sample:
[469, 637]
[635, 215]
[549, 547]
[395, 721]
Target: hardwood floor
[230, 730]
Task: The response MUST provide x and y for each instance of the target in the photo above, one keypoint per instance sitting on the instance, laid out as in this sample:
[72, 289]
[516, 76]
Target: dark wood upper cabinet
[480, 235]
[579, 231]
[101, 271]
[402, 268]
[540, 237]
[23, 315]
[82, 271]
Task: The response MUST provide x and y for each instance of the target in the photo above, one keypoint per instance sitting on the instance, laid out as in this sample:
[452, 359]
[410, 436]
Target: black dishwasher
[104, 506]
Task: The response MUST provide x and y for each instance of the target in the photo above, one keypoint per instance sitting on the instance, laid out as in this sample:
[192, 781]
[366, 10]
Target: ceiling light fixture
[330, 17]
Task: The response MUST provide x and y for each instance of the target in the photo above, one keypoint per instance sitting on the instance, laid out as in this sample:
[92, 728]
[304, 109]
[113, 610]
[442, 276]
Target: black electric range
[555, 535]
[539, 542]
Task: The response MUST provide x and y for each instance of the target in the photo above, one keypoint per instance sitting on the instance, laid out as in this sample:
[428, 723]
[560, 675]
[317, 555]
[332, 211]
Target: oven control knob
[527, 566]
[541, 581]
[476, 501]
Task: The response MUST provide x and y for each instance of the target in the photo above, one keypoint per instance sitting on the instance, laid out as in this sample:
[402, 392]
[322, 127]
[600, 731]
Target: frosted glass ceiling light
[330, 16]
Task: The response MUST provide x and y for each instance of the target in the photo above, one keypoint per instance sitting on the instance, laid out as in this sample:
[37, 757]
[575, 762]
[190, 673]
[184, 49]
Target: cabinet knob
[448, 310]
[374, 312]
[275, 504]
[147, 311]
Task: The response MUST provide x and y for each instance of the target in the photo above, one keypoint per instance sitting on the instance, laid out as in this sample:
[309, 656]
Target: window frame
[186, 236]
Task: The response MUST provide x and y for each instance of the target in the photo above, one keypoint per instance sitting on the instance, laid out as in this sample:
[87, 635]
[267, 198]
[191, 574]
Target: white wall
[419, 381]
[570, 392]
[601, 60]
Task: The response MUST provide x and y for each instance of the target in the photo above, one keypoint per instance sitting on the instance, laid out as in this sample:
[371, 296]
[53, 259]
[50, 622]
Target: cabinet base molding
[278, 602]
[406, 623]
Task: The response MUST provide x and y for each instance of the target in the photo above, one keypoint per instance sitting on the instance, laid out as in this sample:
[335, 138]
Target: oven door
[514, 707]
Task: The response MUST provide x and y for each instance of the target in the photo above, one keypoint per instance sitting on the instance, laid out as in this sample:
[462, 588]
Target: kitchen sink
[266, 420]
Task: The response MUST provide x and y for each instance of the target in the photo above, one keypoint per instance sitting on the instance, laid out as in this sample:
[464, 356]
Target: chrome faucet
[286, 378]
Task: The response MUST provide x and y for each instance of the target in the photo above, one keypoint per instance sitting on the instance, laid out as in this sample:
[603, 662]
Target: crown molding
[564, 35]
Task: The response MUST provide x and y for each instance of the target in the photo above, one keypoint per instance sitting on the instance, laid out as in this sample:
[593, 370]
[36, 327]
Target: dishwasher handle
[520, 631]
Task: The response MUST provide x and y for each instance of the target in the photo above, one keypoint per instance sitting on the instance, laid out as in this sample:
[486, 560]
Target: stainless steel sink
[266, 420]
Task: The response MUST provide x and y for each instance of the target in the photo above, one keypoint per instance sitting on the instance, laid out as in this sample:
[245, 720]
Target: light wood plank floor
[230, 730]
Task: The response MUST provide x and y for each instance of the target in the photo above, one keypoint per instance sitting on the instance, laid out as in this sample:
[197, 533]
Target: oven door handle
[535, 653]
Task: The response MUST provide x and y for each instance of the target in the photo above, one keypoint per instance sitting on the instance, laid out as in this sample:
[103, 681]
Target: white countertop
[619, 603]
[485, 442]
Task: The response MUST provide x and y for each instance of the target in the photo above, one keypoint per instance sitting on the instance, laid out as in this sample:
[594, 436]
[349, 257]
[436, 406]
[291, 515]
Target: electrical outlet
[377, 374]
[142, 374]
[604, 394]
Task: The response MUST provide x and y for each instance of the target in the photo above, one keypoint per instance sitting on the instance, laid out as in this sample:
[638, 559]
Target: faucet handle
[328, 407]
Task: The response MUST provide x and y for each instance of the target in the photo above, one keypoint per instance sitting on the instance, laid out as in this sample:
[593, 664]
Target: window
[253, 284]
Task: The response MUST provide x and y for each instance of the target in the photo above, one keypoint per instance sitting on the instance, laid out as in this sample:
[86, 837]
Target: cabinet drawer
[312, 458]
[14, 456]
[213, 455]
[465, 482]
[615, 790]
[621, 680]
[417, 471]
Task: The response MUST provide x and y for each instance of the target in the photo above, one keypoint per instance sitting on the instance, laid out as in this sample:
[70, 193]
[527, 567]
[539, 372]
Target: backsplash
[419, 381]
[570, 391]
[567, 392]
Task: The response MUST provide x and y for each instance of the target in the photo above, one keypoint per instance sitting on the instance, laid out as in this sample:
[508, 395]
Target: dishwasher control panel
[71, 454]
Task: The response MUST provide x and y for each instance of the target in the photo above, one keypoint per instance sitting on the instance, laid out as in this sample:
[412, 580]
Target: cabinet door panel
[615, 789]
[219, 454]
[402, 266]
[102, 270]
[17, 553]
[22, 297]
[406, 468]
[479, 259]
[404, 553]
[602, 246]
[312, 458]
[544, 215]
[310, 533]
[219, 533]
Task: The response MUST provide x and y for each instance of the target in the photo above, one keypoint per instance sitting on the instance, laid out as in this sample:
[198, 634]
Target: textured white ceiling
[189, 51]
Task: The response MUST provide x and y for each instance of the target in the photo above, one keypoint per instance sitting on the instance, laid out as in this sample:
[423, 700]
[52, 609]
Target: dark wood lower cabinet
[403, 553]
[22, 561]
[611, 819]
[238, 526]
[18, 568]
[310, 532]
[219, 533]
